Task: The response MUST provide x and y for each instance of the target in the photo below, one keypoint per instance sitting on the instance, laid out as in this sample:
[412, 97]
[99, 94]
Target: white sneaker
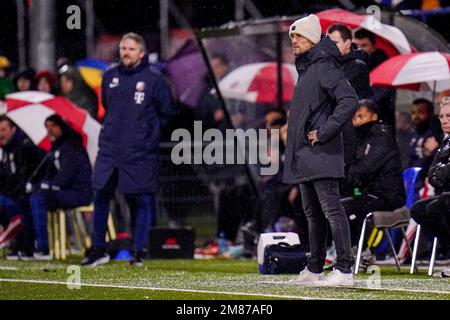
[42, 256]
[337, 278]
[307, 278]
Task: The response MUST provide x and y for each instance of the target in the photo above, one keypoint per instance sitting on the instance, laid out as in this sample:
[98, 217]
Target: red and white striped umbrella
[389, 38]
[29, 109]
[257, 82]
[414, 71]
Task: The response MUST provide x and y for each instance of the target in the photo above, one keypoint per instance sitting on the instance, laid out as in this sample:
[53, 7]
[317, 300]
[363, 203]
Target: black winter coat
[378, 169]
[357, 72]
[65, 170]
[324, 100]
[20, 159]
[439, 173]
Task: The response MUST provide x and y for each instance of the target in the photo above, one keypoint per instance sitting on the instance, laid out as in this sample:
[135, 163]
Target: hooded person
[24, 79]
[354, 63]
[61, 181]
[74, 88]
[45, 82]
[354, 60]
[376, 171]
[20, 157]
[323, 102]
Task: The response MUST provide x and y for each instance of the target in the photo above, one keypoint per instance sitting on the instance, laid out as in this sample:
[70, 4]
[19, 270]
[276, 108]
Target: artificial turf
[198, 279]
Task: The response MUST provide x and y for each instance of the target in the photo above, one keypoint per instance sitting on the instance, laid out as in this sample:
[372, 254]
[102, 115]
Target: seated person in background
[426, 138]
[46, 82]
[19, 160]
[404, 134]
[377, 170]
[6, 86]
[74, 88]
[353, 62]
[433, 213]
[24, 79]
[210, 108]
[276, 199]
[367, 41]
[383, 97]
[63, 180]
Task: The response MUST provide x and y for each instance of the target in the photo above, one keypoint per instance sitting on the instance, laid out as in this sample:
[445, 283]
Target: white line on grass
[165, 289]
[369, 288]
[8, 268]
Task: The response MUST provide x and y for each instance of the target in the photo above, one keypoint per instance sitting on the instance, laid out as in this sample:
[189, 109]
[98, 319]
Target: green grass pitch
[197, 279]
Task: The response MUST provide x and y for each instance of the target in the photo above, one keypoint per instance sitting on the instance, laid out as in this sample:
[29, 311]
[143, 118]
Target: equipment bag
[283, 258]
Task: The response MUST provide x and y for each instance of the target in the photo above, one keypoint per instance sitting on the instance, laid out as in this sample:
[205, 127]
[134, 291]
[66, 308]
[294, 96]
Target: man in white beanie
[323, 102]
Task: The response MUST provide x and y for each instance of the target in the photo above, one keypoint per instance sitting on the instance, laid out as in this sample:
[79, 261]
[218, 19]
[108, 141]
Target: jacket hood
[15, 140]
[80, 87]
[325, 49]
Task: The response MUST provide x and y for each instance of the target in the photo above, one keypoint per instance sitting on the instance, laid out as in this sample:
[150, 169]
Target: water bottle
[357, 192]
[222, 243]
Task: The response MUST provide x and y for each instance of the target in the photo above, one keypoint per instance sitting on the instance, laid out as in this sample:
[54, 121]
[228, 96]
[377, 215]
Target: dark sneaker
[95, 258]
[12, 256]
[42, 256]
[26, 255]
[138, 258]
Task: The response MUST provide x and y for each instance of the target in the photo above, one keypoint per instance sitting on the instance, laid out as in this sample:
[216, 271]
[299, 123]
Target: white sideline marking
[165, 289]
[367, 288]
[8, 268]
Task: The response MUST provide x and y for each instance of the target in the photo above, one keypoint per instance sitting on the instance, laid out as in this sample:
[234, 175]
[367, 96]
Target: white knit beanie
[308, 27]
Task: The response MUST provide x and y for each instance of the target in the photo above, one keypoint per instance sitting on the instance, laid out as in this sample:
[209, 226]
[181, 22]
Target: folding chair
[57, 235]
[385, 220]
[414, 255]
[57, 231]
[81, 229]
[399, 218]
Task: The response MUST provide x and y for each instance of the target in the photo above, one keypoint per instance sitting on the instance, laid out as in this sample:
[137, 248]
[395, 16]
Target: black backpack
[284, 258]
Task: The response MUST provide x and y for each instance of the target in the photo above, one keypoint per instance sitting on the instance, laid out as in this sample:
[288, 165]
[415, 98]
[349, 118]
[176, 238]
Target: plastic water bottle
[357, 192]
[222, 243]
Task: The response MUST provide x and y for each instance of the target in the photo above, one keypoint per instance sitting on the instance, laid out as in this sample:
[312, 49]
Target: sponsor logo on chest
[139, 95]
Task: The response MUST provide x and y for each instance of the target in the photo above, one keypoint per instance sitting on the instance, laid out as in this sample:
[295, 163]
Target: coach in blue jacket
[138, 103]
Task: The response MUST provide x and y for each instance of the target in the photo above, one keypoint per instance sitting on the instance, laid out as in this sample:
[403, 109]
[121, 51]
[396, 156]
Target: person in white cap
[323, 102]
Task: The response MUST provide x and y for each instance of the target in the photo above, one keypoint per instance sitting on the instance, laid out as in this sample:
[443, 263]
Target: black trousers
[433, 214]
[321, 202]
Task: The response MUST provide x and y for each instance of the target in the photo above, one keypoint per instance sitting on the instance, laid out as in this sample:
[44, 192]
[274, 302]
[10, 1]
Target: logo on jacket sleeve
[139, 95]
[114, 82]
